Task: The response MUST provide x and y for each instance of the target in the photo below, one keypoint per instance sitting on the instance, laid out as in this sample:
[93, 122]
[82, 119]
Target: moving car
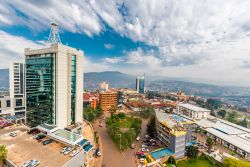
[13, 134]
[46, 142]
[138, 138]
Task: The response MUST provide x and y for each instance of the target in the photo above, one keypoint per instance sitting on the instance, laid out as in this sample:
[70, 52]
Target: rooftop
[19, 149]
[171, 120]
[193, 107]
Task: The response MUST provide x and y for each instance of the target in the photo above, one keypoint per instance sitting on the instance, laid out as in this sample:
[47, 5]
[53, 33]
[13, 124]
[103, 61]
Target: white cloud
[12, 48]
[108, 46]
[202, 39]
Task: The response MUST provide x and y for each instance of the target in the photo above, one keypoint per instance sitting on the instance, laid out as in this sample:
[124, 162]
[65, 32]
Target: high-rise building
[104, 86]
[108, 100]
[140, 81]
[54, 85]
[17, 88]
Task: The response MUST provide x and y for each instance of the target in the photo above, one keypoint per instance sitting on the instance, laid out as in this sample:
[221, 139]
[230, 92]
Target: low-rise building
[173, 131]
[192, 111]
[90, 99]
[232, 136]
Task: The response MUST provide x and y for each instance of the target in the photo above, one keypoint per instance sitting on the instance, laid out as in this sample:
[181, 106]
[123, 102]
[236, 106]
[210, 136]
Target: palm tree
[3, 154]
[209, 143]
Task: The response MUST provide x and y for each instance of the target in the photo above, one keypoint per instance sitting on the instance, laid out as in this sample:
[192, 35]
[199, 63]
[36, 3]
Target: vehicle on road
[142, 160]
[98, 152]
[46, 142]
[145, 149]
[144, 146]
[13, 134]
[139, 153]
[39, 136]
[100, 125]
[132, 146]
[137, 138]
[68, 150]
[74, 153]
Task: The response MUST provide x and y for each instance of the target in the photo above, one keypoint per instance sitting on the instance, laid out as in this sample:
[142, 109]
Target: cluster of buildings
[47, 91]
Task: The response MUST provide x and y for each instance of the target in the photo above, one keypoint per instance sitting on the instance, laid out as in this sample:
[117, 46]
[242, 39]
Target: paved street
[112, 157]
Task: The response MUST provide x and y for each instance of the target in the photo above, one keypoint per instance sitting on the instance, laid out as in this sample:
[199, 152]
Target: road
[112, 157]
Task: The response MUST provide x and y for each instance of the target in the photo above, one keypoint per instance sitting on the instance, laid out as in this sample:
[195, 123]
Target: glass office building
[40, 89]
[140, 87]
[54, 85]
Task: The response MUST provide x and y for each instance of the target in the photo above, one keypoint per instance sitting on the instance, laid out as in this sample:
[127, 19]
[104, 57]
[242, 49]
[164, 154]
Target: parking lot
[24, 147]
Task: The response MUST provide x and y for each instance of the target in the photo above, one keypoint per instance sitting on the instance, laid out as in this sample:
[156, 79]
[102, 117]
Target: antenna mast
[54, 34]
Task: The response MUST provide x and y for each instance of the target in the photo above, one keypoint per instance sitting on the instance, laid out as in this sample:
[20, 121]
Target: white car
[144, 146]
[13, 134]
[99, 153]
[68, 150]
[31, 163]
[74, 153]
[63, 149]
[138, 138]
[144, 149]
[142, 160]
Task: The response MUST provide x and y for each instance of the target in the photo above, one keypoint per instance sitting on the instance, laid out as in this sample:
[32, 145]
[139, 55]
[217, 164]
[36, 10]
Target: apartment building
[108, 100]
[192, 111]
[173, 131]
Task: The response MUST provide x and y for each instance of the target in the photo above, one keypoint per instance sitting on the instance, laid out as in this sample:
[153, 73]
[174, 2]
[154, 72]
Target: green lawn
[125, 123]
[195, 163]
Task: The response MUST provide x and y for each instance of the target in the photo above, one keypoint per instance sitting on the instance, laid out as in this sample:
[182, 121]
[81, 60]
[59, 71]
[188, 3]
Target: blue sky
[196, 39]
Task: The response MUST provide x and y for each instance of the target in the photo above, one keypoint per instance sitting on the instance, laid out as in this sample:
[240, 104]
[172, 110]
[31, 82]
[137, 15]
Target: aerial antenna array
[54, 34]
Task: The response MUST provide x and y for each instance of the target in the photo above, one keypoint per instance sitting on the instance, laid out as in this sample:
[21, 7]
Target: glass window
[19, 102]
[7, 103]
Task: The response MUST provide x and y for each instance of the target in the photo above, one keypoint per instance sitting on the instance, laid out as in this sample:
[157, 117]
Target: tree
[112, 110]
[209, 143]
[192, 152]
[3, 154]
[232, 117]
[222, 113]
[151, 128]
[171, 160]
[243, 123]
[212, 113]
[231, 162]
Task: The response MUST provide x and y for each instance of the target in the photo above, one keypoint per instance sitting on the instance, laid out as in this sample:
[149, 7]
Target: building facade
[54, 85]
[17, 88]
[5, 105]
[173, 131]
[104, 86]
[192, 111]
[140, 87]
[108, 100]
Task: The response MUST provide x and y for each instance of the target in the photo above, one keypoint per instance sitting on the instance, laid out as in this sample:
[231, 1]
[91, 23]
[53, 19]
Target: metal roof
[193, 107]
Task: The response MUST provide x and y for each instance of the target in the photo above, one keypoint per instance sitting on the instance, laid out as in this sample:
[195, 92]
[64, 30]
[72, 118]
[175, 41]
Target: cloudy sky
[203, 40]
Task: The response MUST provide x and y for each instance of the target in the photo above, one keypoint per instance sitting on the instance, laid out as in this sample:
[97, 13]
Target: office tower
[120, 99]
[54, 85]
[140, 81]
[108, 100]
[17, 88]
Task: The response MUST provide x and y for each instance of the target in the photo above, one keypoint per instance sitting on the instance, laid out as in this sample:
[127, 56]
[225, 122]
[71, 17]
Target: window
[0, 104]
[19, 102]
[7, 103]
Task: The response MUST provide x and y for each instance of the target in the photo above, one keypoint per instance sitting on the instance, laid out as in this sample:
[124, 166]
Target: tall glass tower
[54, 85]
[140, 87]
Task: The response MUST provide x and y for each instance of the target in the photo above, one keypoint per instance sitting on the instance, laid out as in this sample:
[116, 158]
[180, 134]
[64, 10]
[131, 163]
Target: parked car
[100, 124]
[74, 153]
[68, 150]
[31, 130]
[142, 156]
[31, 163]
[145, 149]
[144, 146]
[137, 138]
[13, 134]
[139, 153]
[6, 124]
[63, 149]
[46, 142]
[142, 160]
[147, 136]
[40, 136]
[132, 146]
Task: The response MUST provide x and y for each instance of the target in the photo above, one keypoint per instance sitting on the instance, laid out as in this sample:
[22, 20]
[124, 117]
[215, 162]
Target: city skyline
[198, 40]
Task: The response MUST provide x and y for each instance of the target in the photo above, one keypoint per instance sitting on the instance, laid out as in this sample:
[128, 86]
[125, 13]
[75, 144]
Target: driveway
[111, 154]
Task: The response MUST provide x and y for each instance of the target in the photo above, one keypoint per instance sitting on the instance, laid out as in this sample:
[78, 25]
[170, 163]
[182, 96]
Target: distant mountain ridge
[120, 80]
